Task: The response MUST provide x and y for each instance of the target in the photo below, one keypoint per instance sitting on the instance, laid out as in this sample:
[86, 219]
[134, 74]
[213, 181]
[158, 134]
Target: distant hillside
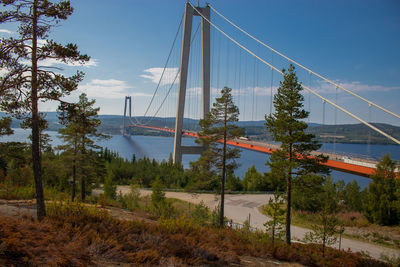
[355, 133]
[344, 133]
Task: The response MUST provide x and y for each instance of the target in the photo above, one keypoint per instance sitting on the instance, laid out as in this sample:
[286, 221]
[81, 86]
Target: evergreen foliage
[276, 212]
[110, 188]
[383, 194]
[307, 192]
[353, 197]
[143, 171]
[233, 182]
[287, 126]
[219, 125]
[26, 81]
[160, 204]
[253, 180]
[325, 231]
[79, 134]
[201, 214]
[5, 126]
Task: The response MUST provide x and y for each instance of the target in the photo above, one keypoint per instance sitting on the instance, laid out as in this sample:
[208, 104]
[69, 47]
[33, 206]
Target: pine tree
[27, 81]
[382, 201]
[79, 135]
[253, 180]
[5, 126]
[277, 214]
[219, 125]
[287, 126]
[328, 224]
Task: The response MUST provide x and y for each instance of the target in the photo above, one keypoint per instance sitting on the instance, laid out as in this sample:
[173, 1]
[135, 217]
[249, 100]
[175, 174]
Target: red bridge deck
[333, 164]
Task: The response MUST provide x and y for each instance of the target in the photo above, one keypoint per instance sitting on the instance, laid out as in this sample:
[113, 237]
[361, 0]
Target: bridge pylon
[126, 129]
[179, 150]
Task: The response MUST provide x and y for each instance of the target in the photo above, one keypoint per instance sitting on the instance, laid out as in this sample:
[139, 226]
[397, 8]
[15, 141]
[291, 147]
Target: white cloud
[41, 42]
[5, 31]
[110, 88]
[355, 86]
[258, 91]
[50, 62]
[155, 75]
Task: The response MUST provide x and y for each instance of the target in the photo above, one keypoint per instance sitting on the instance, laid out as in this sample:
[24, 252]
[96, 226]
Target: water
[160, 148]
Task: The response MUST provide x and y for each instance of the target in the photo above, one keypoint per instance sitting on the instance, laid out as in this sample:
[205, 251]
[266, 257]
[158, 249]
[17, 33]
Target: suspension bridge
[217, 53]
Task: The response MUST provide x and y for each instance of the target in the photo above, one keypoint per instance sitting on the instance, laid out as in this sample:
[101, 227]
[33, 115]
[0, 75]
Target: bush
[201, 214]
[215, 217]
[110, 188]
[131, 201]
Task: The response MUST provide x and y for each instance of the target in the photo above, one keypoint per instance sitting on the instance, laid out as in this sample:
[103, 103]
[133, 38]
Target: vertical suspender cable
[309, 98]
[257, 84]
[323, 120]
[254, 90]
[369, 132]
[227, 64]
[335, 122]
[218, 59]
[240, 74]
[303, 67]
[305, 87]
[245, 87]
[272, 83]
[165, 66]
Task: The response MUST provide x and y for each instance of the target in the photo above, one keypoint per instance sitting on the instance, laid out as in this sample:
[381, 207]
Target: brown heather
[76, 235]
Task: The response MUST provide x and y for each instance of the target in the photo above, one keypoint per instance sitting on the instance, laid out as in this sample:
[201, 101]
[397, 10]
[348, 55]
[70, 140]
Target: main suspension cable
[305, 68]
[173, 82]
[305, 87]
[165, 66]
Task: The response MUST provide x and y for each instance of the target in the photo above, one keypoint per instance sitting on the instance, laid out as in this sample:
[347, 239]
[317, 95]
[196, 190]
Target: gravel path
[238, 207]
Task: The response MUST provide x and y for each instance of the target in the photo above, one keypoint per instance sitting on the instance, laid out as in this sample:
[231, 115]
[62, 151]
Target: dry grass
[78, 235]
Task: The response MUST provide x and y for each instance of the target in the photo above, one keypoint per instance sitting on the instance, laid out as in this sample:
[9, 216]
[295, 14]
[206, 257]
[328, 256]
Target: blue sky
[354, 43]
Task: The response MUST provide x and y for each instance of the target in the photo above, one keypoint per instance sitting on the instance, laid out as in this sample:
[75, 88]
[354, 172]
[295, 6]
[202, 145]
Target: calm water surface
[160, 149]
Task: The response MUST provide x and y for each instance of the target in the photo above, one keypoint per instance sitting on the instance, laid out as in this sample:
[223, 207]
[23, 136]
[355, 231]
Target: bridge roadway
[336, 162]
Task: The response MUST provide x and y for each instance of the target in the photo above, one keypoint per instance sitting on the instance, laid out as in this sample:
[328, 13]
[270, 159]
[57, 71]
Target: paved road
[238, 208]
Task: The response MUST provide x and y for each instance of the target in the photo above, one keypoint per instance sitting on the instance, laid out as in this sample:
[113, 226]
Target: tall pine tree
[382, 203]
[288, 127]
[27, 81]
[219, 126]
[79, 135]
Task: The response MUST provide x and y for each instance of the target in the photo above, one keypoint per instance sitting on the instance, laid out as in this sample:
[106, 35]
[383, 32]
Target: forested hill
[255, 130]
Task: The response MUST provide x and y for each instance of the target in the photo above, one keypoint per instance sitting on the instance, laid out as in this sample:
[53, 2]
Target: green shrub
[131, 201]
[200, 214]
[110, 188]
[182, 225]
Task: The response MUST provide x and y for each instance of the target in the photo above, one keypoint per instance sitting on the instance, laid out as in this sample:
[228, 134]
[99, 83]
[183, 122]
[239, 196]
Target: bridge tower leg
[179, 150]
[126, 129]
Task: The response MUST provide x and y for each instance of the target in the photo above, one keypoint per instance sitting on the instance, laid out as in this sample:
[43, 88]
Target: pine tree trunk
[273, 232]
[73, 177]
[83, 172]
[36, 159]
[289, 197]
[221, 214]
[83, 189]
